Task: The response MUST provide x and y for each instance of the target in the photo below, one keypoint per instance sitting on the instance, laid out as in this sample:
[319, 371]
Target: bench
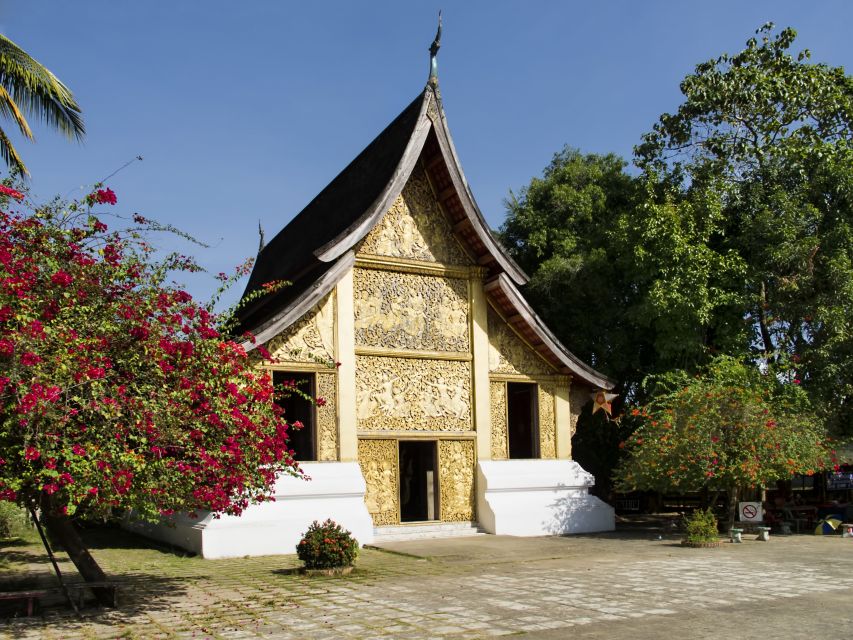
[30, 597]
[77, 591]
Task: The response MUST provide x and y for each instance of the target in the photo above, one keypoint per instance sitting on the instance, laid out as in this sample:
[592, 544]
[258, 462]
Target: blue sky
[243, 111]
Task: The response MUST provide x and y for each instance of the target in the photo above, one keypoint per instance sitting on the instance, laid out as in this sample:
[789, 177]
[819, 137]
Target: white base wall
[538, 498]
[336, 491]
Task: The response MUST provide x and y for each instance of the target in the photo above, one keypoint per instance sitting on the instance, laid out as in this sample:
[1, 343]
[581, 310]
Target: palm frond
[38, 92]
[10, 156]
[8, 109]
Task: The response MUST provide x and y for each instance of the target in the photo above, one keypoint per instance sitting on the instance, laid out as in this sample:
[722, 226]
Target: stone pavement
[602, 586]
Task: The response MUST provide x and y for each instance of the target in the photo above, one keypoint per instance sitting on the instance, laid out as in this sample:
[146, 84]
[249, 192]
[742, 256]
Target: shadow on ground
[27, 567]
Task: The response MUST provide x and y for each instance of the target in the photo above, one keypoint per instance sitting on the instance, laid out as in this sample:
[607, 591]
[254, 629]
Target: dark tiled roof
[290, 254]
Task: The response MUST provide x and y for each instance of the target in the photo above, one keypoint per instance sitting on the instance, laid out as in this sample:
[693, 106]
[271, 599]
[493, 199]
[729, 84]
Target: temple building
[452, 407]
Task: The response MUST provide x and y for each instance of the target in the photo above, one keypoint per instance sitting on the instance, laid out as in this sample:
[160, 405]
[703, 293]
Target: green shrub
[701, 526]
[13, 520]
[327, 545]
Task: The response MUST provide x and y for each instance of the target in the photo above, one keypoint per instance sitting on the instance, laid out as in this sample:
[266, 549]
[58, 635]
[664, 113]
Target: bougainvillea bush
[326, 546]
[730, 427]
[117, 389]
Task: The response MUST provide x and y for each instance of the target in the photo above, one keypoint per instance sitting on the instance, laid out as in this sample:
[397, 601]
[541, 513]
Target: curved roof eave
[303, 304]
[469, 204]
[361, 227]
[575, 366]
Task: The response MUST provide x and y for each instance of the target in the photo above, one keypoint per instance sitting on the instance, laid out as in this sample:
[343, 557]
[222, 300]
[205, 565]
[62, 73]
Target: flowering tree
[117, 389]
[728, 428]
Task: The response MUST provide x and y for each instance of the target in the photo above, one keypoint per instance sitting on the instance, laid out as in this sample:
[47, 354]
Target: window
[298, 409]
[522, 419]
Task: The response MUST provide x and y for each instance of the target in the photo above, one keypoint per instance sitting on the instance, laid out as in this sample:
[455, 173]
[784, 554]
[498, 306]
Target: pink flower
[8, 191]
[50, 488]
[104, 196]
[31, 453]
[61, 278]
[29, 359]
[77, 450]
[7, 347]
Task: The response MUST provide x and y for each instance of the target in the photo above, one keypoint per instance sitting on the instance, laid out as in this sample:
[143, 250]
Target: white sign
[750, 512]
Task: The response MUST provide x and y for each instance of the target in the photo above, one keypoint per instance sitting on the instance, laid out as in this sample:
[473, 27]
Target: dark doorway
[418, 481]
[522, 420]
[299, 409]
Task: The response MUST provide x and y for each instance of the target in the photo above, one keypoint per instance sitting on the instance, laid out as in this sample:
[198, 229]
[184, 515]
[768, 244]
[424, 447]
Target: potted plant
[327, 549]
[701, 529]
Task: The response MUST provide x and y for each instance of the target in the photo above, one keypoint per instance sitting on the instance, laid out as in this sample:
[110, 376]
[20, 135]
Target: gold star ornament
[601, 399]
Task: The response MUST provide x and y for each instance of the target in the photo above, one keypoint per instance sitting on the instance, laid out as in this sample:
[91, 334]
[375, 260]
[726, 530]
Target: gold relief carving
[327, 423]
[312, 338]
[456, 478]
[578, 397]
[415, 227]
[412, 394]
[509, 354]
[378, 462]
[432, 111]
[500, 434]
[547, 422]
[408, 311]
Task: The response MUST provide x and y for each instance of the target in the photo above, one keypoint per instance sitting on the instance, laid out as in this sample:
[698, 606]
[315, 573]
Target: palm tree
[26, 87]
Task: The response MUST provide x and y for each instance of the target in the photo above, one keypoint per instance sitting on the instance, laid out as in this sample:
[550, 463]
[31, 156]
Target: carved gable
[311, 339]
[510, 354]
[415, 227]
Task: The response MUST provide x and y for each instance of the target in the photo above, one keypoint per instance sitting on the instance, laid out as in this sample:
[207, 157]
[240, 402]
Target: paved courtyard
[604, 586]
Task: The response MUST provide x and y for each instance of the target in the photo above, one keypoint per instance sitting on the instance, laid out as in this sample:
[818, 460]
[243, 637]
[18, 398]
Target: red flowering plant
[117, 389]
[327, 546]
[730, 427]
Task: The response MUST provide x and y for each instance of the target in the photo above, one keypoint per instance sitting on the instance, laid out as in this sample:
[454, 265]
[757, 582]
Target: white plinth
[336, 491]
[539, 497]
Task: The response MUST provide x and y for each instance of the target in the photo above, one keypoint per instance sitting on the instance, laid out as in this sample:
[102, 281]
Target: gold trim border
[408, 265]
[558, 380]
[299, 367]
[383, 352]
[398, 434]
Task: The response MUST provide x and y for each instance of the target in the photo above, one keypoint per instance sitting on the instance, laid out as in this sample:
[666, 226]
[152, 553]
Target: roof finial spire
[433, 52]
[261, 242]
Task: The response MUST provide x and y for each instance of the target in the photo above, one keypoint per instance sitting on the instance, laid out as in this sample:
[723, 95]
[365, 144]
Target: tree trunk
[65, 533]
[733, 498]
[762, 322]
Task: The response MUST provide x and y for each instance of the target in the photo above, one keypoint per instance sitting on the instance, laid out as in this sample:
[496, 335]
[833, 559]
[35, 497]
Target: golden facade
[412, 306]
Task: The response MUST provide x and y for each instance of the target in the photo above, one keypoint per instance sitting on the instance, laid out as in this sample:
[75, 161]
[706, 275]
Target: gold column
[480, 352]
[345, 354]
[563, 418]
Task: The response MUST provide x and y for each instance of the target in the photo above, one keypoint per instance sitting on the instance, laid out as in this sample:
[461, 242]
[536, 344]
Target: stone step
[425, 531]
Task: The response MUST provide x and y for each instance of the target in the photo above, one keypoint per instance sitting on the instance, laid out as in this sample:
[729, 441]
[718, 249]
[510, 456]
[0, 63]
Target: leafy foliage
[701, 526]
[737, 238]
[13, 520]
[564, 229]
[327, 545]
[117, 389]
[29, 89]
[730, 426]
[756, 166]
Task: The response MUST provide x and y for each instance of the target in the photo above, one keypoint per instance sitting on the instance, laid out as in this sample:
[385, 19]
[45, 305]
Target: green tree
[29, 89]
[754, 184]
[563, 230]
[567, 229]
[117, 389]
[725, 429]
